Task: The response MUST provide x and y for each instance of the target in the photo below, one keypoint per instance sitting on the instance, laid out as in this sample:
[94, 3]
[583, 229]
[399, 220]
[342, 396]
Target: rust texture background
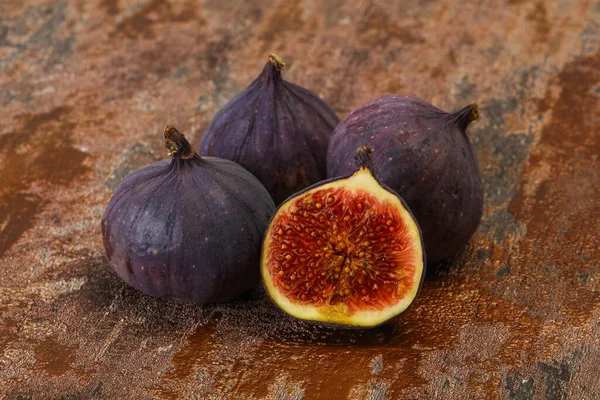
[86, 89]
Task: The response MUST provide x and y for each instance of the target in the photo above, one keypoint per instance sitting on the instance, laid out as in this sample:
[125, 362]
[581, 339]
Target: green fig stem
[276, 61]
[364, 158]
[465, 116]
[177, 144]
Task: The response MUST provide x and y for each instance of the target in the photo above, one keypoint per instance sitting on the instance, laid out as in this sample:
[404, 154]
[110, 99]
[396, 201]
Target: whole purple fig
[188, 228]
[276, 130]
[424, 154]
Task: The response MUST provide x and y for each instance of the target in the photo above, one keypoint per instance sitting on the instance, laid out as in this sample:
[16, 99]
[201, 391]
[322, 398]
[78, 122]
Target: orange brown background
[86, 88]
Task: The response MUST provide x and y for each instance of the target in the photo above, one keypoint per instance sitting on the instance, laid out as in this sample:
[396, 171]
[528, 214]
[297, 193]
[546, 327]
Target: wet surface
[39, 153]
[86, 90]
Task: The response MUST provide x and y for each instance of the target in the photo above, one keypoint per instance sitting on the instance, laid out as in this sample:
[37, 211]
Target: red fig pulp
[346, 251]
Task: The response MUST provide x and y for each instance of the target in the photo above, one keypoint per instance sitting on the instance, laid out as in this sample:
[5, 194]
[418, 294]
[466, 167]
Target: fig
[188, 228]
[344, 252]
[424, 154]
[276, 130]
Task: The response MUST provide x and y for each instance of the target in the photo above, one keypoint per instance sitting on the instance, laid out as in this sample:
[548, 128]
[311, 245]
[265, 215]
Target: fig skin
[423, 154]
[362, 160]
[189, 228]
[276, 130]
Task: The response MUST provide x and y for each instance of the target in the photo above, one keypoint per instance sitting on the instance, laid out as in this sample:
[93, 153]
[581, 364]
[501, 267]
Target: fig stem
[474, 112]
[177, 144]
[465, 116]
[276, 61]
[364, 158]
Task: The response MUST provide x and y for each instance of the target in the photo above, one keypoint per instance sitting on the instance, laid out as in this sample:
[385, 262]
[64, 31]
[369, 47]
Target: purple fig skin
[424, 155]
[189, 228]
[276, 130]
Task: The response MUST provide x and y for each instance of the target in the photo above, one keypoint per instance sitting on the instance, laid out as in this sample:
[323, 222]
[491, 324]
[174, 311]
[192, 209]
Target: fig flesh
[276, 130]
[346, 251]
[189, 228]
[424, 154]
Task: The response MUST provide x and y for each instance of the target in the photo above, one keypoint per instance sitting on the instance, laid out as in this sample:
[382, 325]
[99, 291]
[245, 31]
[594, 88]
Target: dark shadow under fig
[440, 269]
[251, 315]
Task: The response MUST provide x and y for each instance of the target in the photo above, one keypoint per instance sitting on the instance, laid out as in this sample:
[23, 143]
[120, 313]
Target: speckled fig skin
[423, 154]
[276, 130]
[189, 228]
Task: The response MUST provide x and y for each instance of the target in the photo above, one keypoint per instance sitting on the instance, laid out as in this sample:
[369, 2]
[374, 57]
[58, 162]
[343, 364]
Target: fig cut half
[346, 251]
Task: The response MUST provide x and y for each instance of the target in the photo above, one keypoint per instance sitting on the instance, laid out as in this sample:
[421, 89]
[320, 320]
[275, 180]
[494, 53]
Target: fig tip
[177, 144]
[364, 157]
[465, 116]
[277, 61]
[364, 149]
[474, 112]
[170, 130]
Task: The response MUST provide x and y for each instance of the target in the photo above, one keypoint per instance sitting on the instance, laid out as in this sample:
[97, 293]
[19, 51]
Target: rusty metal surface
[85, 91]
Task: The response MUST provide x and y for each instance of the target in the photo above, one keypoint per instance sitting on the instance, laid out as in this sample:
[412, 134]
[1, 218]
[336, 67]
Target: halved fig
[345, 251]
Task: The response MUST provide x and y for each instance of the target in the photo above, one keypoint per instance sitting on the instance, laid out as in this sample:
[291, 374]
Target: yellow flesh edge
[360, 180]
